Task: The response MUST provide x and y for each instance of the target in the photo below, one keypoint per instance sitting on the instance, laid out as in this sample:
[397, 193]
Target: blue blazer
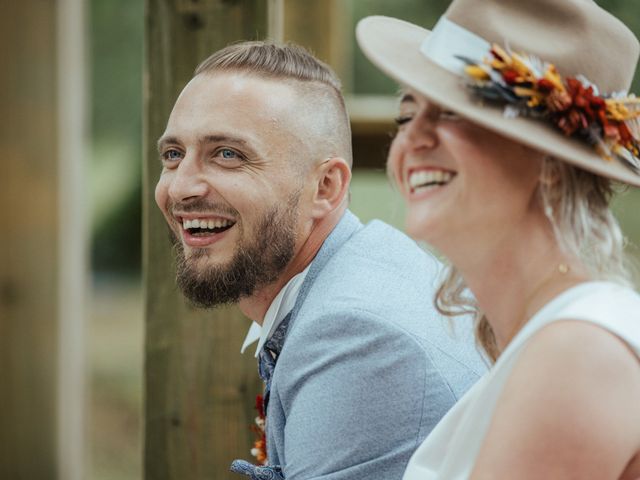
[368, 367]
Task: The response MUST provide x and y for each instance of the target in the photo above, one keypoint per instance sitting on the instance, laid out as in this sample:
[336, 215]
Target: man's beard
[256, 263]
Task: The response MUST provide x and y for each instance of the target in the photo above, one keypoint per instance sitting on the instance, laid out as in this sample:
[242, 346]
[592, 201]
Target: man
[256, 169]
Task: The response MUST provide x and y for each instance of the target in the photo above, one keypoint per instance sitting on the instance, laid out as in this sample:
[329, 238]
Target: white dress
[450, 451]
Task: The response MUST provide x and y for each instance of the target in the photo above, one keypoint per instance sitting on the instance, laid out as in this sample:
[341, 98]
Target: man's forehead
[240, 90]
[260, 111]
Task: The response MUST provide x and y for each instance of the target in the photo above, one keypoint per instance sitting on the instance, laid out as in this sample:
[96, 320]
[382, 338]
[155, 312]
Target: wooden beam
[199, 391]
[29, 241]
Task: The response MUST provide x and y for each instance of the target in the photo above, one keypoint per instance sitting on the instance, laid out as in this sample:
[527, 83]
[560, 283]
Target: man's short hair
[288, 62]
[273, 60]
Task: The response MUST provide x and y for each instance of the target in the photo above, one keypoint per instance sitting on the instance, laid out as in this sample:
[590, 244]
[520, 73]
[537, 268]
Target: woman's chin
[422, 227]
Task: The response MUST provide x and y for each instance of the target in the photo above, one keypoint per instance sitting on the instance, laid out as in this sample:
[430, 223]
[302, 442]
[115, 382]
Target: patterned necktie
[266, 364]
[269, 355]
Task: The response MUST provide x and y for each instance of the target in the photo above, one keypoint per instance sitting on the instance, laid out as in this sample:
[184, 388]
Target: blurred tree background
[116, 83]
[116, 126]
[116, 322]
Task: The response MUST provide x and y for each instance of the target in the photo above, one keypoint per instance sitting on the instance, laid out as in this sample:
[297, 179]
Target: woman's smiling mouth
[421, 180]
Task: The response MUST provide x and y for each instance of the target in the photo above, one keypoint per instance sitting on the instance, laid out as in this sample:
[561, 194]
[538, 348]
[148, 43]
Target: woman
[506, 164]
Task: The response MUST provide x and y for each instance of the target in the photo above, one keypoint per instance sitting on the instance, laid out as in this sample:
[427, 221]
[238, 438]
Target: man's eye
[228, 154]
[171, 155]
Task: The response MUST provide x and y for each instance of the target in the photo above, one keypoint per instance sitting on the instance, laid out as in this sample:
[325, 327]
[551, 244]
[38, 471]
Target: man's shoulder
[381, 283]
[380, 263]
[385, 249]
[378, 273]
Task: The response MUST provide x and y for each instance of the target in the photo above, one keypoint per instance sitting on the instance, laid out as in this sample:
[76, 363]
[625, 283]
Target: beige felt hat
[577, 36]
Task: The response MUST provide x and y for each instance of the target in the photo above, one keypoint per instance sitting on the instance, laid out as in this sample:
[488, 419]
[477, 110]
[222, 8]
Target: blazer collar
[346, 227]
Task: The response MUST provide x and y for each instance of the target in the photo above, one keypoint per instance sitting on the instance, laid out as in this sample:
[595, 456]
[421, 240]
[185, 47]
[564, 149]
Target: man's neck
[255, 307]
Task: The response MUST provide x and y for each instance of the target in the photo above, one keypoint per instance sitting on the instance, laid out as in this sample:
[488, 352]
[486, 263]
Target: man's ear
[333, 177]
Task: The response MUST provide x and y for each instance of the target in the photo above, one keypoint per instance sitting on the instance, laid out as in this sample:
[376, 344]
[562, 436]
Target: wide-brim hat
[577, 36]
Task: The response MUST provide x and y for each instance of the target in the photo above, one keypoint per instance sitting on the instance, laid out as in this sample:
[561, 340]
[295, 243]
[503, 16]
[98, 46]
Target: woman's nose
[188, 181]
[421, 132]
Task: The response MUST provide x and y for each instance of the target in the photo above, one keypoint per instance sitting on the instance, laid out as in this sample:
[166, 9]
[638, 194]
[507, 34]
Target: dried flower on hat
[533, 88]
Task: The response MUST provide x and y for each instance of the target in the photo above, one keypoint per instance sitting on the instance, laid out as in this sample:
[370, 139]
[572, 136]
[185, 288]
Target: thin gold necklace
[563, 269]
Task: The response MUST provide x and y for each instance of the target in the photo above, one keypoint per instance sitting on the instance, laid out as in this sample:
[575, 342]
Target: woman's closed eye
[449, 115]
[402, 120]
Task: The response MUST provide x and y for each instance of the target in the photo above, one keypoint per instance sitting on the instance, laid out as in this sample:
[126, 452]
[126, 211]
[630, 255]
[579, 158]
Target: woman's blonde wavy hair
[576, 203]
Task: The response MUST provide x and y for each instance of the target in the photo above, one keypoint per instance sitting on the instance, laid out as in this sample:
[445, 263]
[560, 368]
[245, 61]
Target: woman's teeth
[423, 179]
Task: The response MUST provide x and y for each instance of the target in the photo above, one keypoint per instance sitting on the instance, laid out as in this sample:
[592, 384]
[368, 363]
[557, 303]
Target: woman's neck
[515, 275]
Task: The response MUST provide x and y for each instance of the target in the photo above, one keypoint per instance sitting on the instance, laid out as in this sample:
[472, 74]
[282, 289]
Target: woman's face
[461, 182]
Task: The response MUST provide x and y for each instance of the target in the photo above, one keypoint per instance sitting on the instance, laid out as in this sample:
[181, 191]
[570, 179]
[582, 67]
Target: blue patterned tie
[266, 364]
[269, 354]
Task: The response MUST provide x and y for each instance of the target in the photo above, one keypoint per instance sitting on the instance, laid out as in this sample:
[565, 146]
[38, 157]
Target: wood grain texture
[199, 390]
[28, 244]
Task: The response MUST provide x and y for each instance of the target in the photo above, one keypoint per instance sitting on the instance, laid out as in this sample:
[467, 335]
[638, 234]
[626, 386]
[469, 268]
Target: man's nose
[188, 181]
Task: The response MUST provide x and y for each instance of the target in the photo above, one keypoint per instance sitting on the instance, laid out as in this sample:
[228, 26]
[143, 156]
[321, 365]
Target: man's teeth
[423, 178]
[206, 223]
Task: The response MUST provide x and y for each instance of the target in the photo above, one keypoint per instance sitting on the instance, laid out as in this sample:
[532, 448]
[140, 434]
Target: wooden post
[199, 390]
[41, 248]
[73, 245]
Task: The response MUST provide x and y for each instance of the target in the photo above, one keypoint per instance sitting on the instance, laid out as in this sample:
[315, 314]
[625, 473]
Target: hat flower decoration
[531, 87]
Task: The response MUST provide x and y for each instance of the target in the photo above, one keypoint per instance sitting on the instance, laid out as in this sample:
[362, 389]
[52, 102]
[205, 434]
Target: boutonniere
[259, 450]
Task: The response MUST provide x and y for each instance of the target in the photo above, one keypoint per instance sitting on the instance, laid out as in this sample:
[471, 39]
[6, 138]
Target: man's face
[232, 188]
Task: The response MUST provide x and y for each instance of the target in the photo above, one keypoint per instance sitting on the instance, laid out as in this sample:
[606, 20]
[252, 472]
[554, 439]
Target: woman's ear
[333, 177]
[549, 172]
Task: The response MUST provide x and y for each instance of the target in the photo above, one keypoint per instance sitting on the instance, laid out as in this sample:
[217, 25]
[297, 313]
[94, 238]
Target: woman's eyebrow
[408, 98]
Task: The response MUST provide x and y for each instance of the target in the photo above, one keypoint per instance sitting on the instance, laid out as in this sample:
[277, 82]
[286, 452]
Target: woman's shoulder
[594, 332]
[598, 295]
[572, 396]
[614, 308]
[585, 370]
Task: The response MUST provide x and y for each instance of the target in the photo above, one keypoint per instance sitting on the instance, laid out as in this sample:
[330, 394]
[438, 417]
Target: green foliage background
[116, 47]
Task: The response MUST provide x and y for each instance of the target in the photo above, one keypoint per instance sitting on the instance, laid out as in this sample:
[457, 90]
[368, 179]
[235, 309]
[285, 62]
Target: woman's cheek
[393, 161]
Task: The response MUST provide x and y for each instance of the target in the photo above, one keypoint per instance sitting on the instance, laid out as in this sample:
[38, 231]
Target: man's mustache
[202, 205]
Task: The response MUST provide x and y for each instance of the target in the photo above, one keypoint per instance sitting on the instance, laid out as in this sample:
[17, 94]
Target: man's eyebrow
[232, 140]
[224, 138]
[166, 140]
[207, 139]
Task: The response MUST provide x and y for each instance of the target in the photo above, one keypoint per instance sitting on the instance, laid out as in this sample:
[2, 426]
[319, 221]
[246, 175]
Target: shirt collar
[279, 308]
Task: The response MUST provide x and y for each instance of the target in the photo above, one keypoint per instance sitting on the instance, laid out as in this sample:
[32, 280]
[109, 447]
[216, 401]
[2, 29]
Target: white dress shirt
[279, 308]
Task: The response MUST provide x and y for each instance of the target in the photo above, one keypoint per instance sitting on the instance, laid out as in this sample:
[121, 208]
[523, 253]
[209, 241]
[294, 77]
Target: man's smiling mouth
[201, 227]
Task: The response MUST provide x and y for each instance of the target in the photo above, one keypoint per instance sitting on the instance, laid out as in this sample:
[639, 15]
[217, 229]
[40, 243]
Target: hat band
[448, 41]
